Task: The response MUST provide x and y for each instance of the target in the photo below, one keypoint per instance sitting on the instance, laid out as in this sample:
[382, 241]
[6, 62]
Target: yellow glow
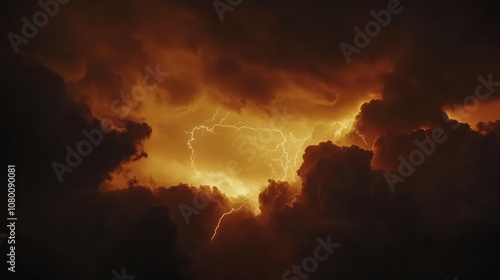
[235, 151]
[208, 139]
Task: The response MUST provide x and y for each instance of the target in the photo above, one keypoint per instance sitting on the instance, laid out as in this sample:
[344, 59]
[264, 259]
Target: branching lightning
[282, 157]
[341, 128]
[203, 128]
[286, 161]
[220, 220]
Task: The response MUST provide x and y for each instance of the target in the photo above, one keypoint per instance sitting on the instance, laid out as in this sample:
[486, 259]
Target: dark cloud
[246, 61]
[442, 221]
[60, 221]
[437, 67]
[447, 205]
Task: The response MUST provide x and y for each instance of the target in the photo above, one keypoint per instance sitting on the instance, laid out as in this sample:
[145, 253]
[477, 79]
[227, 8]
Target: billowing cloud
[151, 138]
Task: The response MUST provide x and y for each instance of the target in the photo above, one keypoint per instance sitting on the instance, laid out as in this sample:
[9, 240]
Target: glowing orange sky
[209, 74]
[302, 113]
[235, 151]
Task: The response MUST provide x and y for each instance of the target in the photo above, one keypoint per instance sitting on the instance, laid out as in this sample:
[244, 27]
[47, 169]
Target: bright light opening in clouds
[236, 151]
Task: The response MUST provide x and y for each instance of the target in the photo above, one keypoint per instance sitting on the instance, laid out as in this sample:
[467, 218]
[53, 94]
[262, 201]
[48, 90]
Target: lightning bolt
[342, 127]
[288, 161]
[285, 160]
[298, 151]
[203, 128]
[220, 220]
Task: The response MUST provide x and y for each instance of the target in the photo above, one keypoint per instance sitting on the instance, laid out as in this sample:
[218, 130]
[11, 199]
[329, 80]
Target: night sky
[251, 139]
